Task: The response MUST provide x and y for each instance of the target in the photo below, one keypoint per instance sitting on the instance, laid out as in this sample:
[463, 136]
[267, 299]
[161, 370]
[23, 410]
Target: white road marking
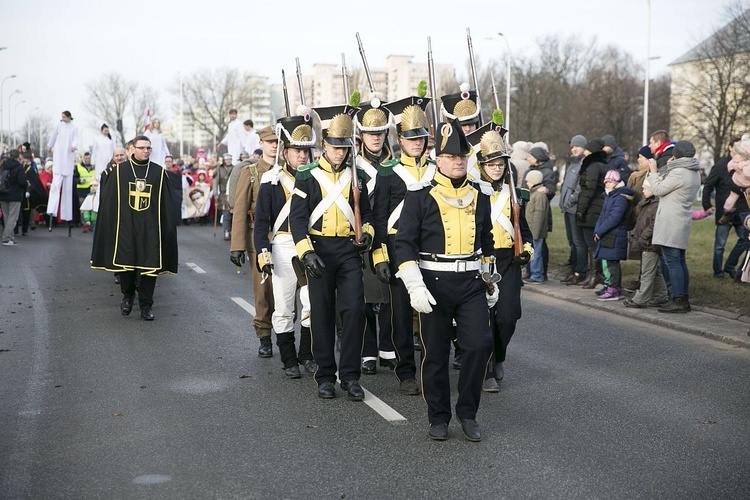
[371, 400]
[244, 304]
[383, 409]
[194, 267]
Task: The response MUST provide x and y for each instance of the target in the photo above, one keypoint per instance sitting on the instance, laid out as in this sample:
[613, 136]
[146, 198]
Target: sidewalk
[715, 324]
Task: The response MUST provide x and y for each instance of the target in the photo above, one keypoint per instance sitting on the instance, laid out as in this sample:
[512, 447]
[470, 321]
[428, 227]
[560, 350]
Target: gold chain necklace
[140, 184]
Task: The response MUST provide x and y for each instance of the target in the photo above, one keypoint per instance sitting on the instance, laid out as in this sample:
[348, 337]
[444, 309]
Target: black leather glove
[522, 258]
[364, 244]
[267, 269]
[383, 272]
[313, 264]
[237, 258]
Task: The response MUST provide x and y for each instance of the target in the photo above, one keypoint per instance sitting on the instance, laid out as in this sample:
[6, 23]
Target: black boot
[304, 355]
[591, 274]
[288, 353]
[676, 305]
[577, 279]
[266, 348]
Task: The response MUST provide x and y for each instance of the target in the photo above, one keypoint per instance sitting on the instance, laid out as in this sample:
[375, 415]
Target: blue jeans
[678, 271]
[536, 266]
[720, 241]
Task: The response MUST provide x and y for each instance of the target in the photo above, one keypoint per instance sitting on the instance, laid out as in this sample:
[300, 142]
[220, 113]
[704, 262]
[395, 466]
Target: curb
[718, 320]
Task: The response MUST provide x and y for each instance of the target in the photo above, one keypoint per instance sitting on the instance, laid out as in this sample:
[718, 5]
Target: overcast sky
[56, 46]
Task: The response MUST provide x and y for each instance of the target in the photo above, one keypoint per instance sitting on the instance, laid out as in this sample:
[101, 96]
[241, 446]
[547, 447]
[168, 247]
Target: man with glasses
[444, 230]
[136, 234]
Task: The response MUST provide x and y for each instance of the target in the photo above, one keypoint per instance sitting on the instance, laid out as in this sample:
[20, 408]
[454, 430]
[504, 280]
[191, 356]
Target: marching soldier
[444, 230]
[373, 122]
[323, 221]
[243, 218]
[221, 177]
[493, 163]
[274, 240]
[395, 177]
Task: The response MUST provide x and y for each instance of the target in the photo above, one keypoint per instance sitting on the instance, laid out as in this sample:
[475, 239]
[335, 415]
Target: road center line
[244, 304]
[371, 400]
[195, 268]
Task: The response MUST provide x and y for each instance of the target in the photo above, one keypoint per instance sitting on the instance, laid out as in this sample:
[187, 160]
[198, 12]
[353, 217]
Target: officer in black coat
[445, 229]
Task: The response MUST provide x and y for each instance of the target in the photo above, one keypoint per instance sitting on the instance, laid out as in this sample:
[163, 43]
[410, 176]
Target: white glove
[420, 297]
[492, 299]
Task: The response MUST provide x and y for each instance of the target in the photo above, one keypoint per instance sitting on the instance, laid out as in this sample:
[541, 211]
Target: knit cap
[612, 176]
[578, 141]
[683, 149]
[609, 141]
[534, 177]
[645, 151]
[595, 146]
[540, 154]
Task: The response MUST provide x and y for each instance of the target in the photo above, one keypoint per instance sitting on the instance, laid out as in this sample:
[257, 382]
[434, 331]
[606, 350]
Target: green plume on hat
[422, 88]
[355, 98]
[497, 117]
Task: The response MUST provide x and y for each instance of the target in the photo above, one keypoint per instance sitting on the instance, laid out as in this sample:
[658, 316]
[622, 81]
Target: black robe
[137, 230]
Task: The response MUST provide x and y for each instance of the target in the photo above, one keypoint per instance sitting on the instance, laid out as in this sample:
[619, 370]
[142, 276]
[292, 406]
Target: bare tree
[210, 94]
[108, 100]
[35, 130]
[121, 104]
[144, 97]
[711, 85]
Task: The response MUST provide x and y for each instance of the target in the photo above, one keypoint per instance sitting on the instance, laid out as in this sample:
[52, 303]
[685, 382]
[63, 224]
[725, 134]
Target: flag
[148, 120]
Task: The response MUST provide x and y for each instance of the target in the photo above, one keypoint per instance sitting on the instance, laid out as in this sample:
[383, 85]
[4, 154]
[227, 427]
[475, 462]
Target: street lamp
[648, 76]
[507, 88]
[10, 97]
[1, 104]
[13, 122]
[28, 125]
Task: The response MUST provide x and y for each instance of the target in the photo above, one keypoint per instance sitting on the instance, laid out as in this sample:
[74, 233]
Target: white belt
[456, 266]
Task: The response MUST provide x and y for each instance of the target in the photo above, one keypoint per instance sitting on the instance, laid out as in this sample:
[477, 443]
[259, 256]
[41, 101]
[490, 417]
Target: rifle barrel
[433, 85]
[300, 83]
[344, 76]
[286, 93]
[364, 63]
[474, 73]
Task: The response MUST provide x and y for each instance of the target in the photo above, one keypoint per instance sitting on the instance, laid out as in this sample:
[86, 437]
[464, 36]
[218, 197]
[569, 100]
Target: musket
[286, 93]
[300, 83]
[495, 98]
[514, 206]
[355, 183]
[364, 63]
[433, 91]
[216, 211]
[474, 74]
[344, 76]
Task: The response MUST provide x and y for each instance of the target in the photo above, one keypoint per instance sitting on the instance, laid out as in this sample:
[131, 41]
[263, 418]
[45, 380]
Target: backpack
[5, 181]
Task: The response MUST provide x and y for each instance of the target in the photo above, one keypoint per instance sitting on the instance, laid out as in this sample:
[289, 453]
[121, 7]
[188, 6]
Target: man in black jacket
[720, 181]
[11, 198]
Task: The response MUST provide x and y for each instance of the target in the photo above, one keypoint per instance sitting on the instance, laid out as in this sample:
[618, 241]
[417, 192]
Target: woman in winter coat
[676, 191]
[611, 231]
[590, 201]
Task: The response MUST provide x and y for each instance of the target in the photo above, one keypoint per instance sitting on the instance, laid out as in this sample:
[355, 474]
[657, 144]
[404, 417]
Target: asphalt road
[94, 405]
